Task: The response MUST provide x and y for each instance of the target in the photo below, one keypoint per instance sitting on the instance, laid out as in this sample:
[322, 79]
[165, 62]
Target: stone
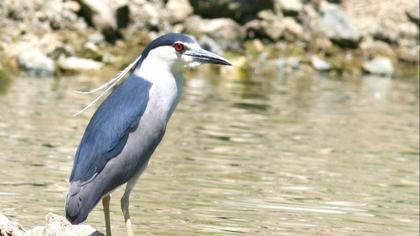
[291, 29]
[289, 7]
[55, 225]
[319, 64]
[91, 51]
[77, 64]
[274, 27]
[336, 25]
[271, 24]
[225, 31]
[413, 14]
[210, 44]
[35, 63]
[97, 12]
[379, 66]
[106, 16]
[408, 55]
[374, 48]
[8, 227]
[239, 10]
[62, 50]
[178, 10]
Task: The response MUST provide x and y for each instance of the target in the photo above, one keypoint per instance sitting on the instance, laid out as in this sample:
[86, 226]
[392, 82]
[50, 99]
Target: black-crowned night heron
[129, 124]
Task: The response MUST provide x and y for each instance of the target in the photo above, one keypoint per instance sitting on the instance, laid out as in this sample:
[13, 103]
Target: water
[289, 155]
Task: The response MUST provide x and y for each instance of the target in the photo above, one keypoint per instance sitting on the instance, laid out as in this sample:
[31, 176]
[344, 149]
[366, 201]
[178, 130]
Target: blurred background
[313, 131]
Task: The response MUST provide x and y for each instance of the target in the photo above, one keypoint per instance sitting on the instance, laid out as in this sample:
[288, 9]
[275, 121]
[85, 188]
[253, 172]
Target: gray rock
[97, 12]
[8, 227]
[338, 28]
[62, 50]
[239, 10]
[55, 225]
[178, 10]
[225, 31]
[210, 44]
[105, 15]
[320, 64]
[36, 63]
[291, 29]
[78, 64]
[274, 27]
[379, 66]
[271, 24]
[289, 7]
[413, 14]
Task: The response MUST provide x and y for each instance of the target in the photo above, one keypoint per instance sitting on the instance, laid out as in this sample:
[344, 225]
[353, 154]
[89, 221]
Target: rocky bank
[51, 37]
[55, 225]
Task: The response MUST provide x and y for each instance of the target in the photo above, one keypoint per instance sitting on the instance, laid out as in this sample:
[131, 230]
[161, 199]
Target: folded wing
[108, 130]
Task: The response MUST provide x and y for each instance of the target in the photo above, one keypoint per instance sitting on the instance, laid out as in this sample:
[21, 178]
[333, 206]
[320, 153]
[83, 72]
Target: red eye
[179, 47]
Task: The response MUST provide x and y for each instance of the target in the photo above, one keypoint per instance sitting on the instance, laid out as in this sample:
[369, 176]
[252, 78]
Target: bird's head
[178, 51]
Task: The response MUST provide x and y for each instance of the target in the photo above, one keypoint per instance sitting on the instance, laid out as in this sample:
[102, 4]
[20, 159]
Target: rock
[374, 48]
[11, 228]
[273, 27]
[409, 33]
[386, 35]
[97, 13]
[210, 44]
[225, 31]
[319, 64]
[55, 225]
[238, 10]
[291, 29]
[271, 24]
[338, 28]
[178, 10]
[36, 63]
[289, 7]
[104, 15]
[413, 14]
[63, 50]
[379, 66]
[408, 55]
[96, 38]
[78, 64]
[91, 51]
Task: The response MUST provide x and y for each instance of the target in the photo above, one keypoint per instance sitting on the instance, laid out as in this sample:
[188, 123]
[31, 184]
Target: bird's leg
[105, 203]
[125, 200]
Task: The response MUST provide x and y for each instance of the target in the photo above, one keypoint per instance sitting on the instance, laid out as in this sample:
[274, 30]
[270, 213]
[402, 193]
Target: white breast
[167, 83]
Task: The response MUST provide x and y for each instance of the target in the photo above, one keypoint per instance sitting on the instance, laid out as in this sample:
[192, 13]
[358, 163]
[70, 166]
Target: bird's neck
[167, 83]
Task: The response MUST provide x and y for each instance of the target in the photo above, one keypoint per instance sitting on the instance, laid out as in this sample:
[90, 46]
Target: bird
[129, 124]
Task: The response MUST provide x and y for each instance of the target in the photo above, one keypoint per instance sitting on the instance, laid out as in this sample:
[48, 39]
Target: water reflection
[293, 155]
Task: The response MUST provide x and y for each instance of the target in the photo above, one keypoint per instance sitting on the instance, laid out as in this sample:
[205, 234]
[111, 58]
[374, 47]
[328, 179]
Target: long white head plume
[108, 85]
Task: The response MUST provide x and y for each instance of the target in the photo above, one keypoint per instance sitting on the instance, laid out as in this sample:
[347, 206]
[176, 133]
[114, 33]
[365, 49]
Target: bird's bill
[204, 56]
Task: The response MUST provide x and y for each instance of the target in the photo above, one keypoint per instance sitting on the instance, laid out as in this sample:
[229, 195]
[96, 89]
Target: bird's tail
[79, 203]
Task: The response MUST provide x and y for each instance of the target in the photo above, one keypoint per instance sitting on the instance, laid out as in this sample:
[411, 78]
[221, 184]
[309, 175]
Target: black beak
[203, 56]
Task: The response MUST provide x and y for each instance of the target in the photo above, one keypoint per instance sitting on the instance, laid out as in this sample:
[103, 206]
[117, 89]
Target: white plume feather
[108, 85]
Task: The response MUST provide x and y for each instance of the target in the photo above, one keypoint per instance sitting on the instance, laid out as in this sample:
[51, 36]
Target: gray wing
[108, 130]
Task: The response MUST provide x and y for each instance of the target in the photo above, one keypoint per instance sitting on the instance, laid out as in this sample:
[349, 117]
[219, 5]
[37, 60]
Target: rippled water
[289, 155]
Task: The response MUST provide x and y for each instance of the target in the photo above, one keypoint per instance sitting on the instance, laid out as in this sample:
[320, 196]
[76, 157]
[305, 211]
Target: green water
[287, 155]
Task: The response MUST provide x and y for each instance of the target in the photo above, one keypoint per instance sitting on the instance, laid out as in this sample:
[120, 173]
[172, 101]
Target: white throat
[165, 74]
